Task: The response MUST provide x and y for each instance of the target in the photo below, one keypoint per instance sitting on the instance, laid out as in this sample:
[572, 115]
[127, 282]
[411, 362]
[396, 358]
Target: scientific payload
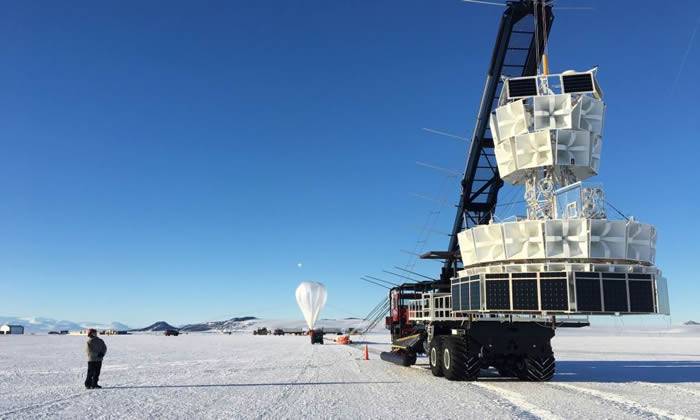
[506, 285]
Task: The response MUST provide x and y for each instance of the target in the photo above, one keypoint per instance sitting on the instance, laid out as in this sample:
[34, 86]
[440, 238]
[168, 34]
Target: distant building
[11, 329]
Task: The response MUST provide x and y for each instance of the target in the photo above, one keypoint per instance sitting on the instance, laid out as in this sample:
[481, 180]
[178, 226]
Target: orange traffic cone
[366, 352]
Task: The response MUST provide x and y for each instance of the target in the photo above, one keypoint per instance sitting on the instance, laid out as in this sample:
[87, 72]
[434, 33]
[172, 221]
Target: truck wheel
[435, 356]
[457, 363]
[538, 369]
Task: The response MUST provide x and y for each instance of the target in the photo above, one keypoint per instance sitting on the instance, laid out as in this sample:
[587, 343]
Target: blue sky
[177, 160]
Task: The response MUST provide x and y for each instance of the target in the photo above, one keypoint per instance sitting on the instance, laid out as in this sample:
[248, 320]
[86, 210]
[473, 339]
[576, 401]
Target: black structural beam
[515, 54]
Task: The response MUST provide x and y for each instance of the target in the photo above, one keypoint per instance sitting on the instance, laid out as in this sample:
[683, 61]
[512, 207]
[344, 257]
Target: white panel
[566, 238]
[553, 112]
[608, 239]
[494, 129]
[596, 149]
[505, 157]
[533, 150]
[466, 247]
[611, 268]
[494, 269]
[573, 147]
[488, 240]
[652, 256]
[567, 267]
[531, 268]
[580, 267]
[639, 241]
[512, 119]
[663, 303]
[523, 239]
[591, 115]
[557, 267]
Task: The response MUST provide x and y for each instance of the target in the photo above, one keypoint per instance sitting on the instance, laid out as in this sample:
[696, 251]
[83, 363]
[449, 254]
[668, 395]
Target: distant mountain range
[43, 325]
[156, 326]
[232, 324]
[38, 325]
[34, 325]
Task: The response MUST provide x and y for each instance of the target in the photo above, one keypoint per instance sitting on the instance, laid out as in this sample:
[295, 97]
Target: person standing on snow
[96, 350]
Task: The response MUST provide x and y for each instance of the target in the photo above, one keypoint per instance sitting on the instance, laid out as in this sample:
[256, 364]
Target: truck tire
[435, 356]
[538, 369]
[457, 363]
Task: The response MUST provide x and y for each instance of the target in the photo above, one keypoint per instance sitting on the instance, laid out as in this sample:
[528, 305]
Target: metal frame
[542, 83]
[479, 195]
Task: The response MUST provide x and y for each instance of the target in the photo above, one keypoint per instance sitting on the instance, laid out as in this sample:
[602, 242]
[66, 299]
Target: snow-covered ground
[604, 373]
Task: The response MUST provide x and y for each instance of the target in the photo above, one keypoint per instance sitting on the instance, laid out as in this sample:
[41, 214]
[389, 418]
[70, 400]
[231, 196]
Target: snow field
[246, 376]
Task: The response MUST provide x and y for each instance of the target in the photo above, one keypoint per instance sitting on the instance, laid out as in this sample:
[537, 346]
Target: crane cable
[537, 37]
[542, 56]
[545, 38]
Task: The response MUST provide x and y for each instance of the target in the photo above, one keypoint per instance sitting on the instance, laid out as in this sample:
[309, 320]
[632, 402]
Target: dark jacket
[95, 349]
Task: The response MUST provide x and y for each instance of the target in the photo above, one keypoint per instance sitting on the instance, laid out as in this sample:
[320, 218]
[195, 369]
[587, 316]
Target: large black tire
[435, 356]
[457, 363]
[538, 369]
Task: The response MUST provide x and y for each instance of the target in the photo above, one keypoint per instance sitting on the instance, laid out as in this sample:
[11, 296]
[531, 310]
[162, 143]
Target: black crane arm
[515, 54]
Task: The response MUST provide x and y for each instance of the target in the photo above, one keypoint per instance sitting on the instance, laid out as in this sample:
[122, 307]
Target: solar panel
[553, 294]
[577, 83]
[475, 295]
[464, 296]
[641, 296]
[522, 87]
[497, 295]
[588, 292]
[615, 295]
[525, 294]
[455, 297]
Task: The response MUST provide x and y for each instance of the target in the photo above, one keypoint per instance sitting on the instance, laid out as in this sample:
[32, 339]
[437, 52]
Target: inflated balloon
[311, 296]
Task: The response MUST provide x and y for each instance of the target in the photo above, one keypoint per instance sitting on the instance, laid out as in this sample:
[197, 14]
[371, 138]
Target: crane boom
[515, 54]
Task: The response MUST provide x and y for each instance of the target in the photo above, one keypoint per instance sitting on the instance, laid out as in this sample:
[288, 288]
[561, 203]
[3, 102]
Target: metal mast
[515, 53]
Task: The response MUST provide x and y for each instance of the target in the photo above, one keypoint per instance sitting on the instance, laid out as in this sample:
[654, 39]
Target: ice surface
[602, 373]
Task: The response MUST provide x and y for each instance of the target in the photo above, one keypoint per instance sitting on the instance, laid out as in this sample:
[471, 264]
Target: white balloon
[311, 297]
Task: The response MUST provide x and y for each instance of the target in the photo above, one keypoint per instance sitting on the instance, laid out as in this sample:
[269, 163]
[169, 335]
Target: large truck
[506, 286]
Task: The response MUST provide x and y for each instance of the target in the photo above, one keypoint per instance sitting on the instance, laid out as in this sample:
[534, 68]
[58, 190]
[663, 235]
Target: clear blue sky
[177, 160]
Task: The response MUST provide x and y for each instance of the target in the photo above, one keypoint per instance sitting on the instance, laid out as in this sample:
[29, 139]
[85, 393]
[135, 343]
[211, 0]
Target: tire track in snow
[509, 399]
[23, 410]
[635, 408]
[518, 400]
[287, 391]
[668, 387]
